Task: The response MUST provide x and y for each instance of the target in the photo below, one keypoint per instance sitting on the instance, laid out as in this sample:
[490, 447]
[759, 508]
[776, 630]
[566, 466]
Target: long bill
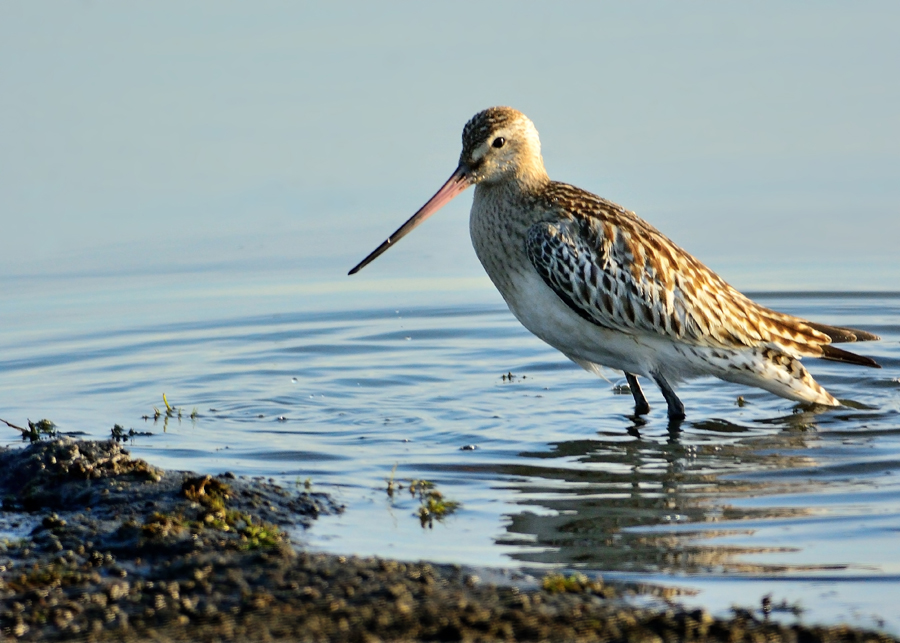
[457, 182]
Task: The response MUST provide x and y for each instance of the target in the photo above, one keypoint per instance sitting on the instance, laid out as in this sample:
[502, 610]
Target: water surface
[328, 382]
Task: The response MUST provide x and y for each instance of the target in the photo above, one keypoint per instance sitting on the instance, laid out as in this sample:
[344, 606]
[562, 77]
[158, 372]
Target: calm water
[332, 381]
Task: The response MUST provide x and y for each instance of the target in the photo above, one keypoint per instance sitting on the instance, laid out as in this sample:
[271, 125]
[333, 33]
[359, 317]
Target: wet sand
[110, 548]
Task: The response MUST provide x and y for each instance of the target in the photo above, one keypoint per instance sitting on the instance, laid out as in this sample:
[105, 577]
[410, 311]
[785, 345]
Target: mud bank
[109, 548]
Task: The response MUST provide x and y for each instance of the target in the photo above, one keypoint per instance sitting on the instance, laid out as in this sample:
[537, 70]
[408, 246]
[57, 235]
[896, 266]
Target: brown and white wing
[596, 277]
[619, 272]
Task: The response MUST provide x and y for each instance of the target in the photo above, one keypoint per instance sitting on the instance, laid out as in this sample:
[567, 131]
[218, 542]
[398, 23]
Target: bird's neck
[512, 203]
[527, 180]
[530, 176]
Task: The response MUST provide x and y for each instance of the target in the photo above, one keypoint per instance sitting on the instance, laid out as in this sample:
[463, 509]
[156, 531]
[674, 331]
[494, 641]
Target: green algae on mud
[123, 551]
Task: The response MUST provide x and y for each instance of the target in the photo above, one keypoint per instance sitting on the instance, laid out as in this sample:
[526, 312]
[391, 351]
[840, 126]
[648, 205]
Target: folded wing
[619, 272]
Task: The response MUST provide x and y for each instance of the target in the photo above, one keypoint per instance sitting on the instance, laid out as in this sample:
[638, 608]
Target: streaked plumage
[608, 289]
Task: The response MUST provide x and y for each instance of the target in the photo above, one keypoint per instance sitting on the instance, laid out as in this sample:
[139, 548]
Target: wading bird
[604, 287]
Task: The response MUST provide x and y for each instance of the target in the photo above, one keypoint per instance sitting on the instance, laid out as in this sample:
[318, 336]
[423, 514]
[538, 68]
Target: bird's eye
[499, 142]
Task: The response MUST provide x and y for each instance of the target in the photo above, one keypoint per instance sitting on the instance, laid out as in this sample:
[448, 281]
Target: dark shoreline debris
[123, 551]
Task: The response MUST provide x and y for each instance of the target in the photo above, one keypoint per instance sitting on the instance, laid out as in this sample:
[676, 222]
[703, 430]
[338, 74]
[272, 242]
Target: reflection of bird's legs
[676, 408]
[641, 407]
[635, 429]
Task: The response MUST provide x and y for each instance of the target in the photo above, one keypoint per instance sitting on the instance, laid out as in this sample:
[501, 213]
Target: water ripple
[548, 465]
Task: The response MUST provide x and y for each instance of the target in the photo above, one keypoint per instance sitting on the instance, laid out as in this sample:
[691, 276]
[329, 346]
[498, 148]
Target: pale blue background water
[182, 189]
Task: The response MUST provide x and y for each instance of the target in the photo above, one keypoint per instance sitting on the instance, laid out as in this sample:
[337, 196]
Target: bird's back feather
[619, 272]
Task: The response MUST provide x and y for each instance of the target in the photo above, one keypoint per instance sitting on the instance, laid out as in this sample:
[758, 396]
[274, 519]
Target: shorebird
[606, 288]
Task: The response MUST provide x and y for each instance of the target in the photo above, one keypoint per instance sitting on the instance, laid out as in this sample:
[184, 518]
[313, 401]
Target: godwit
[606, 288]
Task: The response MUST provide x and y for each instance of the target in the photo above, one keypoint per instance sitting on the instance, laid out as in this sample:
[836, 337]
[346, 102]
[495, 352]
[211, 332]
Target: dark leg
[676, 408]
[641, 407]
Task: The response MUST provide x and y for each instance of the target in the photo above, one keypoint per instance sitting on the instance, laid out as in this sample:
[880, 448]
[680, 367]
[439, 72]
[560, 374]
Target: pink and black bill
[456, 184]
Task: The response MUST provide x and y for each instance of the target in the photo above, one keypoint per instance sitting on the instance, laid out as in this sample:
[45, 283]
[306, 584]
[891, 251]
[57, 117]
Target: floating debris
[432, 503]
[170, 412]
[119, 434]
[36, 431]
[768, 606]
[435, 507]
[391, 485]
[40, 430]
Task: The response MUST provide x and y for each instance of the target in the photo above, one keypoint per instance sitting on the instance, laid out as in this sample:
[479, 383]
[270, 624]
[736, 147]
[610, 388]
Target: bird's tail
[801, 337]
[839, 335]
[778, 373]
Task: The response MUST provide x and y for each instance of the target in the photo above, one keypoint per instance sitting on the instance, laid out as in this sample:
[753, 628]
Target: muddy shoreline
[106, 547]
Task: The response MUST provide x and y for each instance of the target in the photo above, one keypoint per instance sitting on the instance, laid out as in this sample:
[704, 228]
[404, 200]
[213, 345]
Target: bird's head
[501, 144]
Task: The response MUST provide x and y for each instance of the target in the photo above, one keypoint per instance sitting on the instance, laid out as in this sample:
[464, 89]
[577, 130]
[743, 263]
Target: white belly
[543, 313]
[499, 244]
